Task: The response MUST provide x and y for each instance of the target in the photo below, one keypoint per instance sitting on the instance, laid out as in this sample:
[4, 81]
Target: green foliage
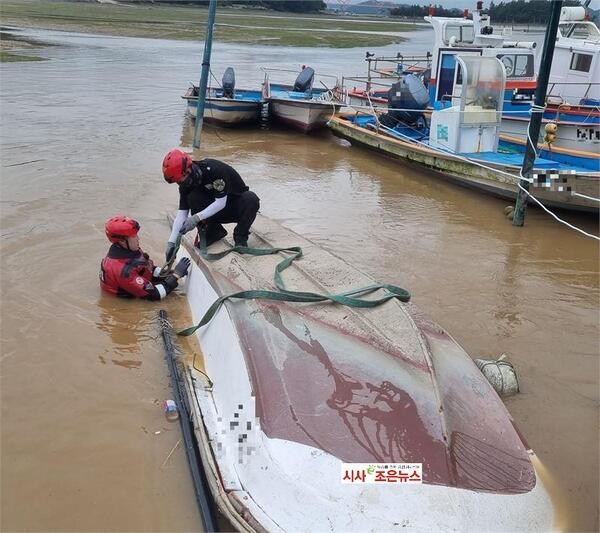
[8, 57]
[523, 12]
[294, 6]
[417, 11]
[181, 21]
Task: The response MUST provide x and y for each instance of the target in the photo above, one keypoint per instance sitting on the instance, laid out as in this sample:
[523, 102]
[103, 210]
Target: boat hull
[577, 142]
[470, 175]
[303, 116]
[295, 390]
[226, 111]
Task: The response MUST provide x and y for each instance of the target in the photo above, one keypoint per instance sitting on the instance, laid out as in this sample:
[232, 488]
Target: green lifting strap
[349, 298]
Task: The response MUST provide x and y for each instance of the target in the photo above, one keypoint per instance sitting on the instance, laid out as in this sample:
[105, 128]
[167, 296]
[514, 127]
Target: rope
[520, 177]
[556, 217]
[350, 298]
[585, 196]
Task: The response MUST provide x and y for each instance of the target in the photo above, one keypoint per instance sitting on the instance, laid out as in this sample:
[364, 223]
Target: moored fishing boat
[287, 393]
[573, 99]
[301, 105]
[571, 108]
[227, 105]
[462, 141]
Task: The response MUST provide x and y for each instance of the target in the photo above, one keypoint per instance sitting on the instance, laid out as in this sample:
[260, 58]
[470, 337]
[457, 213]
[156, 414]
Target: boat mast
[212, 8]
[533, 130]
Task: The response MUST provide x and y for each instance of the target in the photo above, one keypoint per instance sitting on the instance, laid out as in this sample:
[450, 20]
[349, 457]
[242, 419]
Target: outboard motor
[407, 94]
[304, 80]
[228, 83]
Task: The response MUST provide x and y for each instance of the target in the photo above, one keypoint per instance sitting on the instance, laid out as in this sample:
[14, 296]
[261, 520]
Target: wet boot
[247, 205]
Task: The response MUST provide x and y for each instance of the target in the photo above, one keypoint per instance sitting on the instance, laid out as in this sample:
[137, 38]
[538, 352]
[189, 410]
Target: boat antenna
[537, 110]
[212, 8]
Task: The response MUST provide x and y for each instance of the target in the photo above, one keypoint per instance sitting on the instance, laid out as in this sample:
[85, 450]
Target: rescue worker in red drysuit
[215, 194]
[127, 271]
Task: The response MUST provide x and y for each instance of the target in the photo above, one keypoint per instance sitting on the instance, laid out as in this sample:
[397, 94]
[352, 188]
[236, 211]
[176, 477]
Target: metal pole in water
[533, 130]
[187, 428]
[212, 8]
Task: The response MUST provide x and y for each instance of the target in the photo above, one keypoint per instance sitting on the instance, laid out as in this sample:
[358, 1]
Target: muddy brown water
[84, 440]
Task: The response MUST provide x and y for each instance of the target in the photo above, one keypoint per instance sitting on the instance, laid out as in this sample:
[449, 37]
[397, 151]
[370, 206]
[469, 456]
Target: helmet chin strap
[126, 241]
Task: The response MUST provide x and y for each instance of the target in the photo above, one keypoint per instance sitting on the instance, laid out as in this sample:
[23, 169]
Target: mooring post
[533, 130]
[212, 8]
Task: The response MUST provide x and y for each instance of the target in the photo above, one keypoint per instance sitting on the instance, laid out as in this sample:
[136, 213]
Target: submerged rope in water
[350, 298]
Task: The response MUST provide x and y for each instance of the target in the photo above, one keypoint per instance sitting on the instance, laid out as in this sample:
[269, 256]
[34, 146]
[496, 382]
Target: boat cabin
[575, 74]
[453, 36]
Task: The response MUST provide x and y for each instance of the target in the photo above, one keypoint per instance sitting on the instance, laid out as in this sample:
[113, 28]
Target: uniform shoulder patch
[219, 185]
[139, 280]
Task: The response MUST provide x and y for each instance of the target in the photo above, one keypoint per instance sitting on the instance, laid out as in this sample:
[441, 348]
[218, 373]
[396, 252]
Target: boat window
[464, 34]
[580, 31]
[467, 34]
[517, 65]
[445, 84]
[581, 62]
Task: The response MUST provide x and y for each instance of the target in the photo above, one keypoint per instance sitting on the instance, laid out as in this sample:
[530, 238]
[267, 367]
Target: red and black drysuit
[132, 274]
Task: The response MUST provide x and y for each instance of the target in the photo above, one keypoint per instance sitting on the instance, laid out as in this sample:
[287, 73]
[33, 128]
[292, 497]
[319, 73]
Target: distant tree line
[417, 11]
[520, 11]
[523, 12]
[296, 6]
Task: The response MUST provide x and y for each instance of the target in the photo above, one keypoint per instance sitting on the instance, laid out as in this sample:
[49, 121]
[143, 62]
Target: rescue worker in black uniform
[214, 193]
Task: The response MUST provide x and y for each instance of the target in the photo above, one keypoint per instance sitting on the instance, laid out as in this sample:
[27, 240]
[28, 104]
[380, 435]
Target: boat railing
[367, 81]
[418, 63]
[266, 70]
[559, 99]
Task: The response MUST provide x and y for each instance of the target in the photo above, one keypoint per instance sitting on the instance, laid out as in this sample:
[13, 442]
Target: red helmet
[120, 227]
[176, 165]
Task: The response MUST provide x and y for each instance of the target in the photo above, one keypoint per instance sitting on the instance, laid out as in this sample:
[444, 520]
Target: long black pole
[535, 122]
[191, 447]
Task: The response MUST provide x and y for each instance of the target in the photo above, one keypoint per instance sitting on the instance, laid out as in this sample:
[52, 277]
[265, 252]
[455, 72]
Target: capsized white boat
[296, 390]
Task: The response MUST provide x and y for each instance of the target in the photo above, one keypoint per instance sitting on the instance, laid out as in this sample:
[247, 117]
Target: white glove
[190, 224]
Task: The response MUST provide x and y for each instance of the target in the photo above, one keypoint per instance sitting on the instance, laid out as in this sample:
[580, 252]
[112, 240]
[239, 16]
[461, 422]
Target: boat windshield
[463, 33]
[517, 65]
[583, 31]
[482, 88]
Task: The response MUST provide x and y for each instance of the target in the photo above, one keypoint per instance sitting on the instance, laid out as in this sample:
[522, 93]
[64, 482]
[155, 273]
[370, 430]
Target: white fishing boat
[301, 105]
[461, 140]
[572, 104]
[285, 394]
[227, 105]
[573, 99]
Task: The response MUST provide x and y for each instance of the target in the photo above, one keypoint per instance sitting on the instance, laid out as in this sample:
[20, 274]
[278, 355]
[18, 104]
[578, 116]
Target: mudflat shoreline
[233, 25]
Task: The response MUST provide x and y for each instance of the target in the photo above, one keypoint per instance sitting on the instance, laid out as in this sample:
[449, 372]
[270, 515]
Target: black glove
[182, 267]
[170, 251]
